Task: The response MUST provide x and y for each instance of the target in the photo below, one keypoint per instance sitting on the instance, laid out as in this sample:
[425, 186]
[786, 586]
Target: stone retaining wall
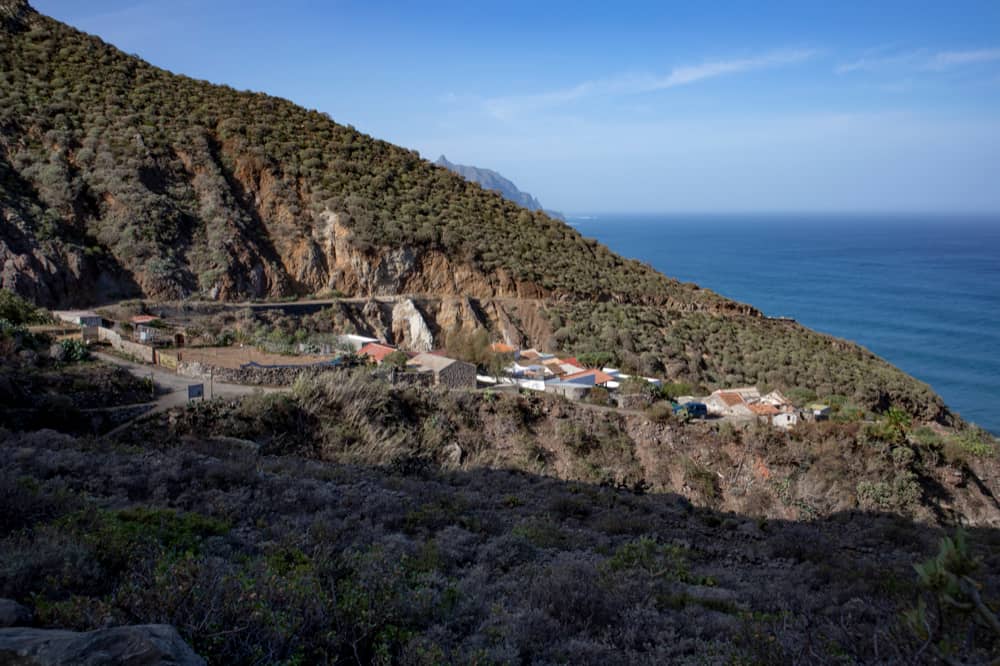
[251, 376]
[144, 353]
[634, 401]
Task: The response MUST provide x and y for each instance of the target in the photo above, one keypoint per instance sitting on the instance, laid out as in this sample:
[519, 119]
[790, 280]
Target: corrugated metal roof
[431, 361]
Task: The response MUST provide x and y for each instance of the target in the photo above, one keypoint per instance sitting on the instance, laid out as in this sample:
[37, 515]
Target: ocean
[921, 291]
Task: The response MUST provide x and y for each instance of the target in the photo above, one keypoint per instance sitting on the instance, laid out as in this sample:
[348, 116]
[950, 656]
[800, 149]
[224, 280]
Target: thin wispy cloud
[919, 60]
[504, 107]
[950, 59]
[874, 63]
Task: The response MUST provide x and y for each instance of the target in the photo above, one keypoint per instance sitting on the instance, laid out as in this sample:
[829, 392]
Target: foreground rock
[13, 614]
[141, 645]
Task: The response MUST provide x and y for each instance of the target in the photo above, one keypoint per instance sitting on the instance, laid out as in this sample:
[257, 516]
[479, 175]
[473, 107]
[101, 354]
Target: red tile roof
[502, 348]
[375, 351]
[571, 360]
[730, 399]
[763, 409]
[143, 319]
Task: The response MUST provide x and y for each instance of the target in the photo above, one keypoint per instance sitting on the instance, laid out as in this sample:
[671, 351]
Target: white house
[785, 420]
[528, 369]
[85, 318]
[818, 411]
[145, 334]
[571, 390]
[776, 398]
[530, 384]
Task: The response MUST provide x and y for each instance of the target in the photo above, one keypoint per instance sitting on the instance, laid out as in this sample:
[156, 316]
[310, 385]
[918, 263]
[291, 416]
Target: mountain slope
[492, 180]
[188, 188]
[118, 179]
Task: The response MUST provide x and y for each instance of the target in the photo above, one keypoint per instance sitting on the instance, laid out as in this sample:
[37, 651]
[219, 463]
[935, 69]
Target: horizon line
[570, 214]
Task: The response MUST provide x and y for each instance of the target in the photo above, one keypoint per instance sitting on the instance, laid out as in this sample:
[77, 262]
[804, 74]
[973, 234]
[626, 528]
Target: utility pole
[211, 383]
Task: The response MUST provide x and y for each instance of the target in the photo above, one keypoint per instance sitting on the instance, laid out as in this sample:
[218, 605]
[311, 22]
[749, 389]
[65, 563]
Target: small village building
[84, 318]
[145, 334]
[535, 355]
[778, 399]
[530, 383]
[571, 390]
[749, 394]
[727, 403]
[504, 348]
[529, 370]
[447, 371]
[818, 411]
[572, 362]
[143, 320]
[785, 420]
[589, 378]
[556, 367]
[765, 413]
[377, 351]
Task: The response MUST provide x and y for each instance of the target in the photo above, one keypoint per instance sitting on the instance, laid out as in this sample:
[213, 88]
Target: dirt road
[172, 389]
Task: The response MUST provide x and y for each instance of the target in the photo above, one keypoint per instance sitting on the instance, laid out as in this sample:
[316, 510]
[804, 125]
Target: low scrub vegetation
[277, 559]
[813, 470]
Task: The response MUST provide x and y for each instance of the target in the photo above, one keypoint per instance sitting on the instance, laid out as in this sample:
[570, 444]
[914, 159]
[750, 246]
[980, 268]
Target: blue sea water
[920, 291]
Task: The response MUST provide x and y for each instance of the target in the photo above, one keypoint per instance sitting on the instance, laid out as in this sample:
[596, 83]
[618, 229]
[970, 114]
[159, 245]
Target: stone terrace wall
[251, 376]
[144, 353]
[634, 401]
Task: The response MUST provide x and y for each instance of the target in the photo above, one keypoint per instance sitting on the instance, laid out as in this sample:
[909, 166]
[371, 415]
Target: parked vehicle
[694, 410]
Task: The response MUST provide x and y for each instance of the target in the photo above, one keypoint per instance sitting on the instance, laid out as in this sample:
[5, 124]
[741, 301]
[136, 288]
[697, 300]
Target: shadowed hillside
[279, 559]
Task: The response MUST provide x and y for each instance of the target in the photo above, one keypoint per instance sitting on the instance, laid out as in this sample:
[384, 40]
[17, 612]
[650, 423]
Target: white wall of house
[785, 420]
[531, 384]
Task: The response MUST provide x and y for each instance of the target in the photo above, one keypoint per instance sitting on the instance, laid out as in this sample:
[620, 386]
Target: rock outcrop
[13, 614]
[409, 328]
[140, 645]
[491, 180]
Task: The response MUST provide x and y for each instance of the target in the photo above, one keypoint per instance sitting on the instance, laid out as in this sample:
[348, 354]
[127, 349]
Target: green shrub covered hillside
[118, 180]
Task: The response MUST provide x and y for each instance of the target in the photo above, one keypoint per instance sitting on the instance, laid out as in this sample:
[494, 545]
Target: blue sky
[640, 107]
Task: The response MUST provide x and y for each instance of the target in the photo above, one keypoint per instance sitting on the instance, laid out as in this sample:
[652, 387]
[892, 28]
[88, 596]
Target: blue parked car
[696, 410]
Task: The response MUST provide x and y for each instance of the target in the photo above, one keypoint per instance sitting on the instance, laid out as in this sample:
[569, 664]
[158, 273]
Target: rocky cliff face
[491, 180]
[424, 323]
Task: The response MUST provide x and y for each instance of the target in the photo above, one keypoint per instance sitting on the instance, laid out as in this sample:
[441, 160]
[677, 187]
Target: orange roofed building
[591, 377]
[727, 403]
[376, 351]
